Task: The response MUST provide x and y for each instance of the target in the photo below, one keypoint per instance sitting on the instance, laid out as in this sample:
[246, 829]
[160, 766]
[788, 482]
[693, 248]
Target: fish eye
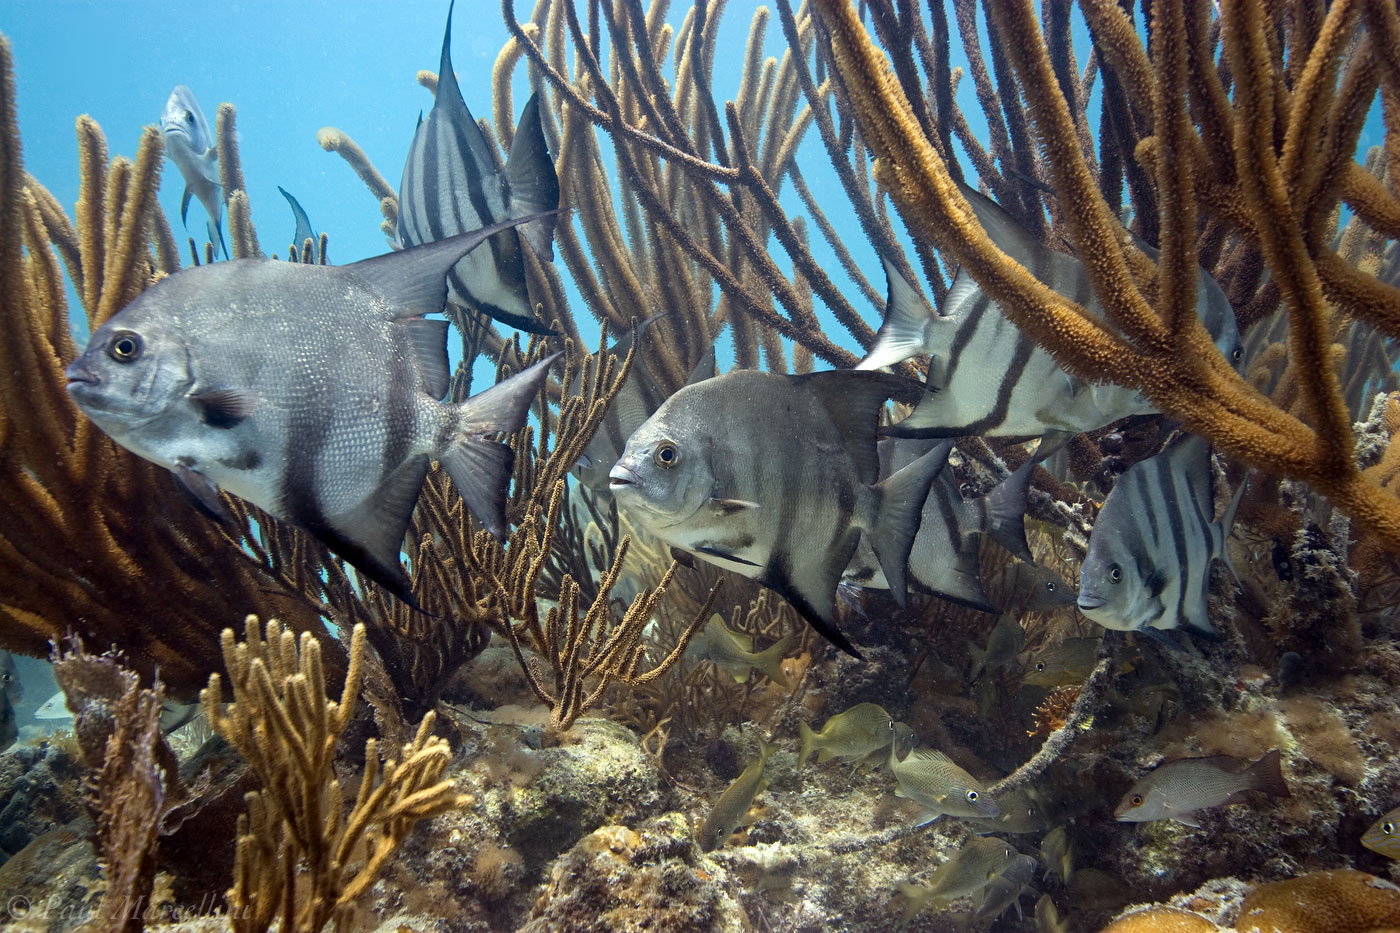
[1050, 585]
[667, 455]
[125, 346]
[1115, 574]
[189, 117]
[1387, 828]
[1237, 354]
[1136, 800]
[1040, 665]
[972, 796]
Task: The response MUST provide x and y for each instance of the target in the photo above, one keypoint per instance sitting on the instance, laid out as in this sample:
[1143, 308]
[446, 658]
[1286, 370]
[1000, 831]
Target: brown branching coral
[1267, 168]
[79, 550]
[302, 859]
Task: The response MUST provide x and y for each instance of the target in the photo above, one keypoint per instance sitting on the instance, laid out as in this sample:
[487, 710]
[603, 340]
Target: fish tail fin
[809, 741]
[979, 661]
[480, 469]
[534, 184]
[1266, 775]
[1006, 511]
[916, 899]
[907, 320]
[770, 661]
[902, 497]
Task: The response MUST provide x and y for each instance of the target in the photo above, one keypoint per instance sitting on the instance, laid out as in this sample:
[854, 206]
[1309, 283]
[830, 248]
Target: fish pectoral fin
[907, 317]
[185, 206]
[724, 555]
[429, 342]
[224, 408]
[730, 506]
[684, 558]
[203, 493]
[1187, 819]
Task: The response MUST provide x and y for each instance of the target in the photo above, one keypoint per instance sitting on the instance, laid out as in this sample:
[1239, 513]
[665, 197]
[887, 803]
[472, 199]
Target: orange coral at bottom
[1339, 901]
[1161, 920]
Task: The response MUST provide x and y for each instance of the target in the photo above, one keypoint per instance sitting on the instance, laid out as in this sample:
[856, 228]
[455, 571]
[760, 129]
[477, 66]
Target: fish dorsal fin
[704, 367]
[534, 185]
[853, 400]
[1006, 506]
[903, 333]
[1008, 234]
[414, 280]
[1189, 454]
[449, 101]
[371, 534]
[429, 342]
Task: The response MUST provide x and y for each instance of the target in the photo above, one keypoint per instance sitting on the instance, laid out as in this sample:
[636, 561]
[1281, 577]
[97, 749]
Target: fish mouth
[1088, 602]
[78, 374]
[622, 476]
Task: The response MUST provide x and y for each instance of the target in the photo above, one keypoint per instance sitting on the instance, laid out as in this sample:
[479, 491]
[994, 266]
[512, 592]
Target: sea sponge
[1160, 919]
[1338, 901]
[1325, 738]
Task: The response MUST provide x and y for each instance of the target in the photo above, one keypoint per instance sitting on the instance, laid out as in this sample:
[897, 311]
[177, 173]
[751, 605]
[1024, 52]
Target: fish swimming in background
[1020, 587]
[732, 652]
[55, 707]
[190, 144]
[931, 778]
[776, 477]
[317, 399]
[1020, 813]
[1004, 889]
[1056, 851]
[1030, 395]
[9, 677]
[728, 811]
[1004, 642]
[9, 728]
[451, 185]
[1177, 789]
[966, 873]
[640, 396]
[1151, 549]
[303, 231]
[1383, 836]
[862, 730]
[945, 556]
[1064, 664]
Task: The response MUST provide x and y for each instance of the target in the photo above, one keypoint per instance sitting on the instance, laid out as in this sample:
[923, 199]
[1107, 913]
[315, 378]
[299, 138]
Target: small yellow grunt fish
[934, 780]
[1384, 835]
[859, 731]
[981, 861]
[732, 652]
[1020, 813]
[1066, 664]
[1004, 642]
[731, 806]
[1177, 789]
[1056, 852]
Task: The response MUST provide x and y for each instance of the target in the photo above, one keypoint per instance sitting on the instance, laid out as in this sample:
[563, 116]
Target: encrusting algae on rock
[523, 711]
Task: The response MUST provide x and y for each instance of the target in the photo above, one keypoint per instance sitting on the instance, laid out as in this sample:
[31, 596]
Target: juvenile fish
[451, 185]
[191, 145]
[931, 778]
[1003, 890]
[776, 477]
[303, 229]
[1177, 789]
[1021, 587]
[860, 731]
[1020, 813]
[967, 873]
[1383, 836]
[973, 338]
[311, 391]
[1063, 664]
[1151, 549]
[944, 558]
[729, 809]
[732, 652]
[1004, 642]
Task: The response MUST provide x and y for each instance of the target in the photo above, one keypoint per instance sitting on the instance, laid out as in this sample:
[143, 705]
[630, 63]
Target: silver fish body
[966, 873]
[1153, 543]
[728, 811]
[451, 185]
[932, 779]
[732, 652]
[853, 734]
[1177, 789]
[311, 391]
[776, 477]
[944, 558]
[9, 677]
[1022, 588]
[191, 145]
[1383, 835]
[988, 378]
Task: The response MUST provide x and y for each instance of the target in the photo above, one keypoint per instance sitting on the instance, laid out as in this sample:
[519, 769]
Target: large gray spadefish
[311, 391]
[190, 144]
[1153, 543]
[777, 478]
[988, 378]
[451, 185]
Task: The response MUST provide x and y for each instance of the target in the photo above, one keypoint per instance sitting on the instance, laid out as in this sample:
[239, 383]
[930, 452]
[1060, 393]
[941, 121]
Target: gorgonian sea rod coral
[1251, 153]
